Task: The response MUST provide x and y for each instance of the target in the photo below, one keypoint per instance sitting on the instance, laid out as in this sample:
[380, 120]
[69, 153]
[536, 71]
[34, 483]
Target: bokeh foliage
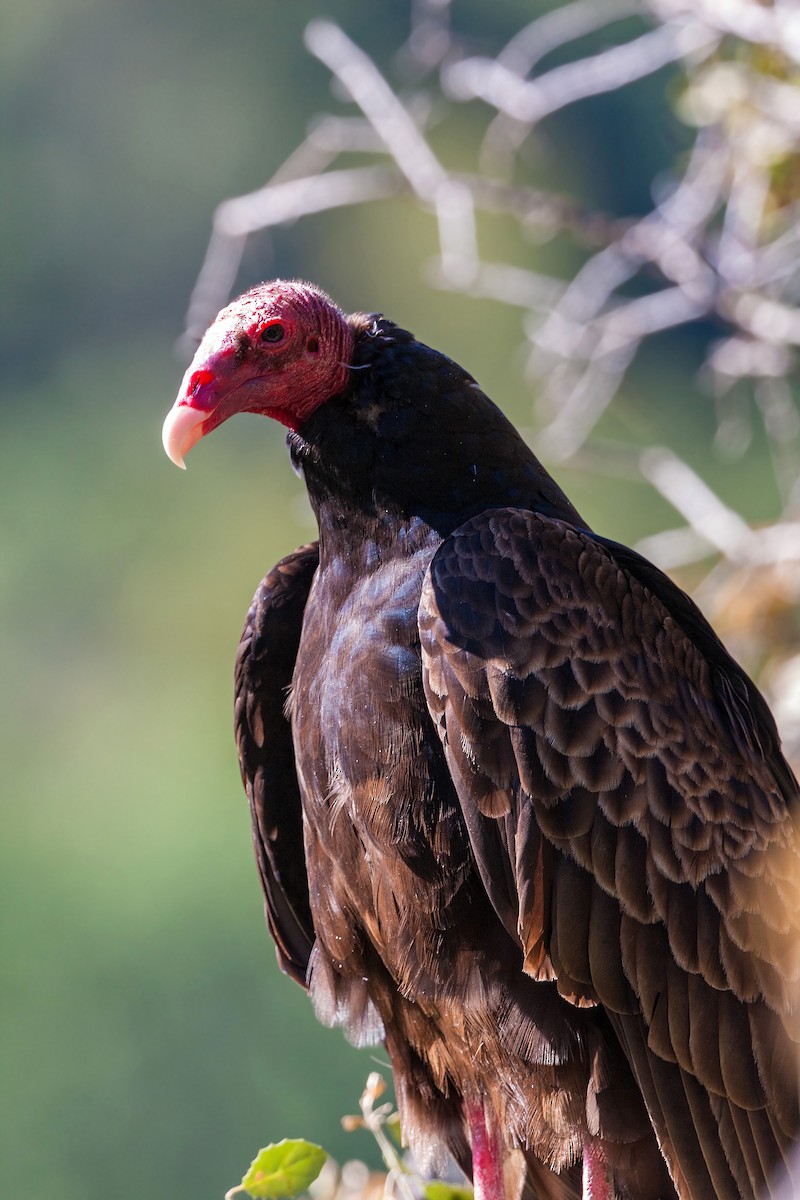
[149, 1041]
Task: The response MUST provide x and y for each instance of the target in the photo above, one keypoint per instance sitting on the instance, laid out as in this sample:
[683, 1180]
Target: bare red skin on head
[235, 370]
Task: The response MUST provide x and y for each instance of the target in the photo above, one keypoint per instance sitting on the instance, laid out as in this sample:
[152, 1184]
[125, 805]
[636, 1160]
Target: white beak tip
[182, 430]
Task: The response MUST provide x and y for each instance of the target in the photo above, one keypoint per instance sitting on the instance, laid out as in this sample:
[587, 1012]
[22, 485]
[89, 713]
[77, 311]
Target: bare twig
[379, 104]
[272, 205]
[695, 501]
[374, 1117]
[529, 102]
[719, 245]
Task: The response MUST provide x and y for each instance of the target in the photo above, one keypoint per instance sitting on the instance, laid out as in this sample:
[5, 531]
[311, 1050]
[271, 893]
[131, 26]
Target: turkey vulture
[516, 811]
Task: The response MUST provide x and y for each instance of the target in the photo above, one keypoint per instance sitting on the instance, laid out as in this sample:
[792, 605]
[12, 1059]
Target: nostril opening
[198, 380]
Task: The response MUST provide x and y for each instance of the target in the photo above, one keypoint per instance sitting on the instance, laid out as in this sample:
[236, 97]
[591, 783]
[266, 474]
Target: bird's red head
[282, 349]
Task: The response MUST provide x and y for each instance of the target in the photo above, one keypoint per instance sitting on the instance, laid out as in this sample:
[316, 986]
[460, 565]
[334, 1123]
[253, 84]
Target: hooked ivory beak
[183, 429]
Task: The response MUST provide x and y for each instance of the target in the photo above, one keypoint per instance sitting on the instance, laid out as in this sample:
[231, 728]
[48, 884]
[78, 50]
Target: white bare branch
[720, 244]
[777, 25]
[274, 204]
[279, 202]
[379, 104]
[560, 27]
[698, 505]
[489, 80]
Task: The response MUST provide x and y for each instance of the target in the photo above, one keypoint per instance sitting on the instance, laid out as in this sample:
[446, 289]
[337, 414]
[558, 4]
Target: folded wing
[634, 823]
[264, 667]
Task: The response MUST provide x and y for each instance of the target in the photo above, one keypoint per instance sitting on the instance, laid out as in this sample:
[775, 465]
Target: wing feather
[264, 667]
[581, 696]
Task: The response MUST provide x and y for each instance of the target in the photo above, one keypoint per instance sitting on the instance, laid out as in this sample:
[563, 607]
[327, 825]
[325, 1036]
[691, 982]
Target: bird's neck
[412, 450]
[366, 537]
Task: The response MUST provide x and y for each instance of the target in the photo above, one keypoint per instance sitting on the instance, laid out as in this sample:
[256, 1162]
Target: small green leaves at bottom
[284, 1169]
[392, 1125]
[447, 1191]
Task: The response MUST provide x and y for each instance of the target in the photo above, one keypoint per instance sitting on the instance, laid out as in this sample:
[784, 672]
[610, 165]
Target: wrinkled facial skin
[282, 349]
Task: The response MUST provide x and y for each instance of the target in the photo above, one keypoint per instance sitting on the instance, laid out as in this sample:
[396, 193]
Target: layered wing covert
[634, 823]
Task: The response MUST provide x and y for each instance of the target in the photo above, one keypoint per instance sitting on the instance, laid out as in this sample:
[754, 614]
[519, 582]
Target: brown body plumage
[522, 817]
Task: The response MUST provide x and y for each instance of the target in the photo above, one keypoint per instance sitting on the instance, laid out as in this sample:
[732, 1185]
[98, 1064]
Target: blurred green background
[149, 1043]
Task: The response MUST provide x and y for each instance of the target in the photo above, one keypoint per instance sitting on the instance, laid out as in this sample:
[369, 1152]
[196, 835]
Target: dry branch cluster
[721, 243]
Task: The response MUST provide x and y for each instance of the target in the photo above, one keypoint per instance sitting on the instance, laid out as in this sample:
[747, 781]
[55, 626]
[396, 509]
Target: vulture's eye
[273, 333]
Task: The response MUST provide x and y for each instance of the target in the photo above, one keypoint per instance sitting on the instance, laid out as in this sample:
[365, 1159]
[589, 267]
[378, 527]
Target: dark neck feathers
[414, 441]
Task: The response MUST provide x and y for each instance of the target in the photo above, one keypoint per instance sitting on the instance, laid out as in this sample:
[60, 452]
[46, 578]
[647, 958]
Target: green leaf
[392, 1124]
[447, 1191]
[283, 1169]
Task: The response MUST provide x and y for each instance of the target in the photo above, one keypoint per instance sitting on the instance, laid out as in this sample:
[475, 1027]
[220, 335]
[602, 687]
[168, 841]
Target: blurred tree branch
[721, 243]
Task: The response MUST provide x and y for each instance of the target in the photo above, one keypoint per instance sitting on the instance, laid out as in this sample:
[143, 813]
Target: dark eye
[273, 333]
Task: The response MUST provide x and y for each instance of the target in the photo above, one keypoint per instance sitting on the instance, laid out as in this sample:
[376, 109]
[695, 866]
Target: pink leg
[487, 1156]
[595, 1173]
